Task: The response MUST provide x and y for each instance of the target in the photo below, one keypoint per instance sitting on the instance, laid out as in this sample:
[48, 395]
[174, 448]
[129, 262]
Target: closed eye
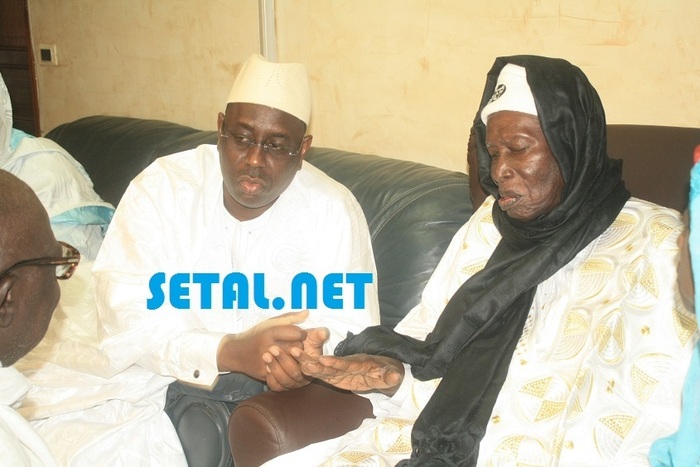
[242, 139]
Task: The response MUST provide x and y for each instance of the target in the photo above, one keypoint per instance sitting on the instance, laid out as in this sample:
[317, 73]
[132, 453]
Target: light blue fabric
[83, 227]
[17, 136]
[682, 449]
[86, 215]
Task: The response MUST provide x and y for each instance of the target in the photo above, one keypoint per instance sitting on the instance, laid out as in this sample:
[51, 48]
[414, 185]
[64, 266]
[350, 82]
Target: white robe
[597, 374]
[20, 445]
[88, 414]
[78, 215]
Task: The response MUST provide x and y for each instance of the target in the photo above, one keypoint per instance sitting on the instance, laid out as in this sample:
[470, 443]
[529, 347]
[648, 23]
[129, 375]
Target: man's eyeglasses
[241, 143]
[65, 264]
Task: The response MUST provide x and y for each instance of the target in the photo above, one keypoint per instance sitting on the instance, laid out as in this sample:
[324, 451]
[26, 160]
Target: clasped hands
[286, 356]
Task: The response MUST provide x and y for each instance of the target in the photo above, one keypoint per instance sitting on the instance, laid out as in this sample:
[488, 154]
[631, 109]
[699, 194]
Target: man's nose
[255, 156]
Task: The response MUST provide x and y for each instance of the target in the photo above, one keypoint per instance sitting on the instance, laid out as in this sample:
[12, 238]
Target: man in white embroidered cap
[199, 273]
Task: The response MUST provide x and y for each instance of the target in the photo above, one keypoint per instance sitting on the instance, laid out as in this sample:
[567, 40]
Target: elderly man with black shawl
[551, 332]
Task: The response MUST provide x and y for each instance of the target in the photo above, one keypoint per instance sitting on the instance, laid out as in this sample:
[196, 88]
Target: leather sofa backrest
[114, 150]
[656, 161]
[412, 209]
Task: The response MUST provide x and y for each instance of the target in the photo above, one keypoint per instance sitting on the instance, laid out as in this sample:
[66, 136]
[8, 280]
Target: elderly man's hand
[283, 371]
[242, 353]
[360, 372]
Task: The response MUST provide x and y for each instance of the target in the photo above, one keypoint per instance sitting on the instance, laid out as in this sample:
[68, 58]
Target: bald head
[24, 223]
[29, 294]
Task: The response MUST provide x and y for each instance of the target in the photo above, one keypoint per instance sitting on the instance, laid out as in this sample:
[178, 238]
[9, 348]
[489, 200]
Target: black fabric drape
[473, 340]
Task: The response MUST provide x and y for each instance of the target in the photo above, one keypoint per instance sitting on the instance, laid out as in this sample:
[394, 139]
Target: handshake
[286, 356]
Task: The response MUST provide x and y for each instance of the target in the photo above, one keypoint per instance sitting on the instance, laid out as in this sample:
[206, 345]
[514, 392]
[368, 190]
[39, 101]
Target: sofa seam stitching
[405, 201]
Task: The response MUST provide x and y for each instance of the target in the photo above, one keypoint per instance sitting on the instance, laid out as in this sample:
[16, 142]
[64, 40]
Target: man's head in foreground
[31, 259]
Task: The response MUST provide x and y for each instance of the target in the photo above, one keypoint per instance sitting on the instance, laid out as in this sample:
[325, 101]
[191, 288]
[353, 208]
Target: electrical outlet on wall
[47, 54]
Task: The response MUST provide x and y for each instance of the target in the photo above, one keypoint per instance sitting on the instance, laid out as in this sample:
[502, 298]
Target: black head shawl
[473, 340]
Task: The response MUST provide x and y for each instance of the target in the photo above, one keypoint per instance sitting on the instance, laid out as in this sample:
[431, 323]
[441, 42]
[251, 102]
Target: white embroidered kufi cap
[512, 93]
[282, 86]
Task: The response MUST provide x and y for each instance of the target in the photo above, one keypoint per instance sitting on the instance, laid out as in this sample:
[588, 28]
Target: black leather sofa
[413, 210]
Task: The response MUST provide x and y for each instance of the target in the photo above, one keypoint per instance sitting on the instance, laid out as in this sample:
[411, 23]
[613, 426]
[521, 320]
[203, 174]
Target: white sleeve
[147, 236]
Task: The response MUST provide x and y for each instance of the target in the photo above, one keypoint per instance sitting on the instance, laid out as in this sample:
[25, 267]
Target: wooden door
[17, 65]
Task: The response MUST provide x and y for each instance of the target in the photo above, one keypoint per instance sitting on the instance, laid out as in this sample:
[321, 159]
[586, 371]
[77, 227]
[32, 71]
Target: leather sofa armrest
[274, 423]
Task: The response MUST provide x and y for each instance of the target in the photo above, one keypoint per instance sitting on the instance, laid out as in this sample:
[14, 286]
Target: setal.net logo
[238, 291]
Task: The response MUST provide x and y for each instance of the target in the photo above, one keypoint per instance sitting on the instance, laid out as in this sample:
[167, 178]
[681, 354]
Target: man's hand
[242, 353]
[283, 371]
[360, 372]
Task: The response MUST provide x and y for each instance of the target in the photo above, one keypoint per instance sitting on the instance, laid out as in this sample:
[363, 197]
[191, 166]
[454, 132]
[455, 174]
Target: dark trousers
[200, 417]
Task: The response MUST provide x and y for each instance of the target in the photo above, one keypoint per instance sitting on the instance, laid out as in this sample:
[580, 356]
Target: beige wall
[167, 59]
[400, 78]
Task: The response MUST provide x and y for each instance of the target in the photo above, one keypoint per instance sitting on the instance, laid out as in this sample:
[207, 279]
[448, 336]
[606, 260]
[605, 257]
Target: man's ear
[220, 122]
[305, 145]
[6, 312]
